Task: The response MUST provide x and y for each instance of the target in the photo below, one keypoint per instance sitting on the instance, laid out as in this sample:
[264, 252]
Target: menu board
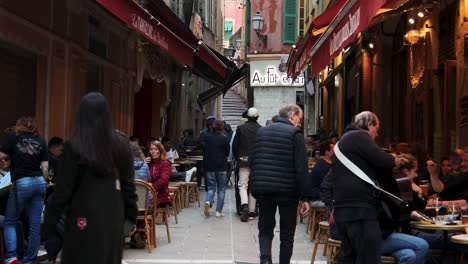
[464, 111]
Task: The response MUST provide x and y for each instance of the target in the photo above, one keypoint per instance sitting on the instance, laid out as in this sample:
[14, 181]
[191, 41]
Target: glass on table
[464, 217]
[437, 204]
[424, 185]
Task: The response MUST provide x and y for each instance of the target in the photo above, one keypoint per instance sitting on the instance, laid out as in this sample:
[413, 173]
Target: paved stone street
[197, 239]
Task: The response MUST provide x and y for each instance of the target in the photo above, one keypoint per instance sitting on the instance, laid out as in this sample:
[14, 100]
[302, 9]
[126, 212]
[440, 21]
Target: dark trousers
[361, 241]
[266, 224]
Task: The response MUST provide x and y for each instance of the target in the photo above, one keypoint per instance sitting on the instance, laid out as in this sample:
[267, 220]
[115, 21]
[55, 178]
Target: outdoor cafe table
[463, 240]
[196, 158]
[184, 162]
[443, 227]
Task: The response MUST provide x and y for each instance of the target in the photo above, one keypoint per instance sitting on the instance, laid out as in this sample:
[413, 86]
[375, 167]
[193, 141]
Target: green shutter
[290, 21]
[247, 22]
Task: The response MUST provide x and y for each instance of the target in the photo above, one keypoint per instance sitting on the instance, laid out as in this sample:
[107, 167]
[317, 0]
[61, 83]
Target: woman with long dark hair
[95, 187]
[29, 167]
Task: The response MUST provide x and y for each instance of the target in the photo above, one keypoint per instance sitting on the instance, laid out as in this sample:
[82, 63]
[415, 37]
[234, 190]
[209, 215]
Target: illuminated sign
[266, 73]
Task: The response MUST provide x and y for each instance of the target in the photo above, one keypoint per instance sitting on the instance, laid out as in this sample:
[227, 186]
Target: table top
[429, 226]
[184, 161]
[198, 158]
[460, 239]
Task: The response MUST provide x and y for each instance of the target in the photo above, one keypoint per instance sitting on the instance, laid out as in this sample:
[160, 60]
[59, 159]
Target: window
[228, 26]
[290, 21]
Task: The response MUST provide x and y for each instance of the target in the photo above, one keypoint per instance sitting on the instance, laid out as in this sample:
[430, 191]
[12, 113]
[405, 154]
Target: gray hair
[286, 111]
[364, 119]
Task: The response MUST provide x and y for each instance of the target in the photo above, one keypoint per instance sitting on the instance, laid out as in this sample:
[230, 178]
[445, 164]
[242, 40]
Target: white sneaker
[189, 173]
[218, 214]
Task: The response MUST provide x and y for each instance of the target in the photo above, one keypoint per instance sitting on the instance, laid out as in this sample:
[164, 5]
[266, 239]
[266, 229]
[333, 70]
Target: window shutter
[290, 21]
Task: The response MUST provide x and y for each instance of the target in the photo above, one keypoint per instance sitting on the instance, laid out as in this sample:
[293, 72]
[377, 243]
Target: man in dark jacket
[278, 179]
[244, 142]
[355, 201]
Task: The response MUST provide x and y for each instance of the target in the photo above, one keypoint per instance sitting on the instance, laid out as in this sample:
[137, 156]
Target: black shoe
[252, 215]
[266, 261]
[245, 213]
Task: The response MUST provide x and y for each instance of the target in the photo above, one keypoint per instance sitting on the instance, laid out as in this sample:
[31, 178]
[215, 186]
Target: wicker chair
[145, 210]
[333, 250]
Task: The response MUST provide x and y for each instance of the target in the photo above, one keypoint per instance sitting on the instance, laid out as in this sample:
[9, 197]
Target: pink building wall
[233, 10]
[272, 13]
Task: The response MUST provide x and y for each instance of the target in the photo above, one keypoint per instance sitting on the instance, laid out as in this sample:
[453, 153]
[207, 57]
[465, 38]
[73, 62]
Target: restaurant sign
[147, 29]
[269, 73]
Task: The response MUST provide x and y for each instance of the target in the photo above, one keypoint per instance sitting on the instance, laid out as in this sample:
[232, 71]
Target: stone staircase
[233, 107]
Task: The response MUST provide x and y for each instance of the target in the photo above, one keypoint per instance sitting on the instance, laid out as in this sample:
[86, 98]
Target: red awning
[172, 37]
[352, 18]
[301, 56]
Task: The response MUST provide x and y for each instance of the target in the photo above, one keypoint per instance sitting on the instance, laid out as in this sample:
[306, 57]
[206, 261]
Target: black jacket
[215, 151]
[96, 209]
[244, 140]
[349, 190]
[279, 161]
[316, 177]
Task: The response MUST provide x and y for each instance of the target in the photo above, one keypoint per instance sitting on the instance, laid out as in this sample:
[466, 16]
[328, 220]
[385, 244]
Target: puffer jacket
[141, 170]
[160, 172]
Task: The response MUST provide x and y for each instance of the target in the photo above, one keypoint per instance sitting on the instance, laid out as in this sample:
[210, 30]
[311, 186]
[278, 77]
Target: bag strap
[360, 174]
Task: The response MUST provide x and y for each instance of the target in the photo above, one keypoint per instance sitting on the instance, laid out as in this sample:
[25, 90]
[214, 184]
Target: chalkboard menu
[464, 111]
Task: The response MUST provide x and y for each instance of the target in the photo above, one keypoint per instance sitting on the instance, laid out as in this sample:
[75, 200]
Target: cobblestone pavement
[197, 239]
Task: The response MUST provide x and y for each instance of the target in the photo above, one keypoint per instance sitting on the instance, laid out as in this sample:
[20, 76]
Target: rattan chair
[145, 210]
[333, 250]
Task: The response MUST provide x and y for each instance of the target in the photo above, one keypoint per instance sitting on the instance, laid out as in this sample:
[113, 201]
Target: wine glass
[437, 204]
[453, 211]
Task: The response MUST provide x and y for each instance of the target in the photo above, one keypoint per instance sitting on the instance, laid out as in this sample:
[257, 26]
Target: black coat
[215, 152]
[279, 162]
[349, 190]
[244, 140]
[96, 210]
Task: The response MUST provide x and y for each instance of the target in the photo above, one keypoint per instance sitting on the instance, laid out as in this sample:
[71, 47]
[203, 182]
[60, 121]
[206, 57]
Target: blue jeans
[405, 248]
[216, 181]
[25, 193]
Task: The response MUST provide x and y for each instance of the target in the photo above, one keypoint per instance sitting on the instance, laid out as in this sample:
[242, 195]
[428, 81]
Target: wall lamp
[257, 24]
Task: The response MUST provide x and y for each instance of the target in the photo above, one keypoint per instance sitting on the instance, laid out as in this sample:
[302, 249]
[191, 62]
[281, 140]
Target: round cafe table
[463, 240]
[443, 227]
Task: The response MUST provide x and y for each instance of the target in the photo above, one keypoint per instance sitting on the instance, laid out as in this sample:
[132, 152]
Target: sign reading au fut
[267, 73]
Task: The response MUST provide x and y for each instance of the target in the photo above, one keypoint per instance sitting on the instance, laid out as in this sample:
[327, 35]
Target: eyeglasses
[5, 160]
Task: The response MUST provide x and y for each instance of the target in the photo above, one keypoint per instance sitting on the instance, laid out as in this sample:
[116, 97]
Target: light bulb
[371, 45]
[420, 14]
[411, 21]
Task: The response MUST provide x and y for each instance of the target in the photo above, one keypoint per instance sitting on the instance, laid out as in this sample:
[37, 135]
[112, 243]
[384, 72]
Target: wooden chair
[191, 193]
[145, 210]
[174, 193]
[333, 250]
[316, 215]
[322, 232]
[162, 213]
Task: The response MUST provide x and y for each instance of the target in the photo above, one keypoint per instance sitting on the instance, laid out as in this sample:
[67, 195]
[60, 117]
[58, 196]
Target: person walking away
[355, 201]
[279, 179]
[29, 168]
[242, 146]
[96, 190]
[215, 151]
